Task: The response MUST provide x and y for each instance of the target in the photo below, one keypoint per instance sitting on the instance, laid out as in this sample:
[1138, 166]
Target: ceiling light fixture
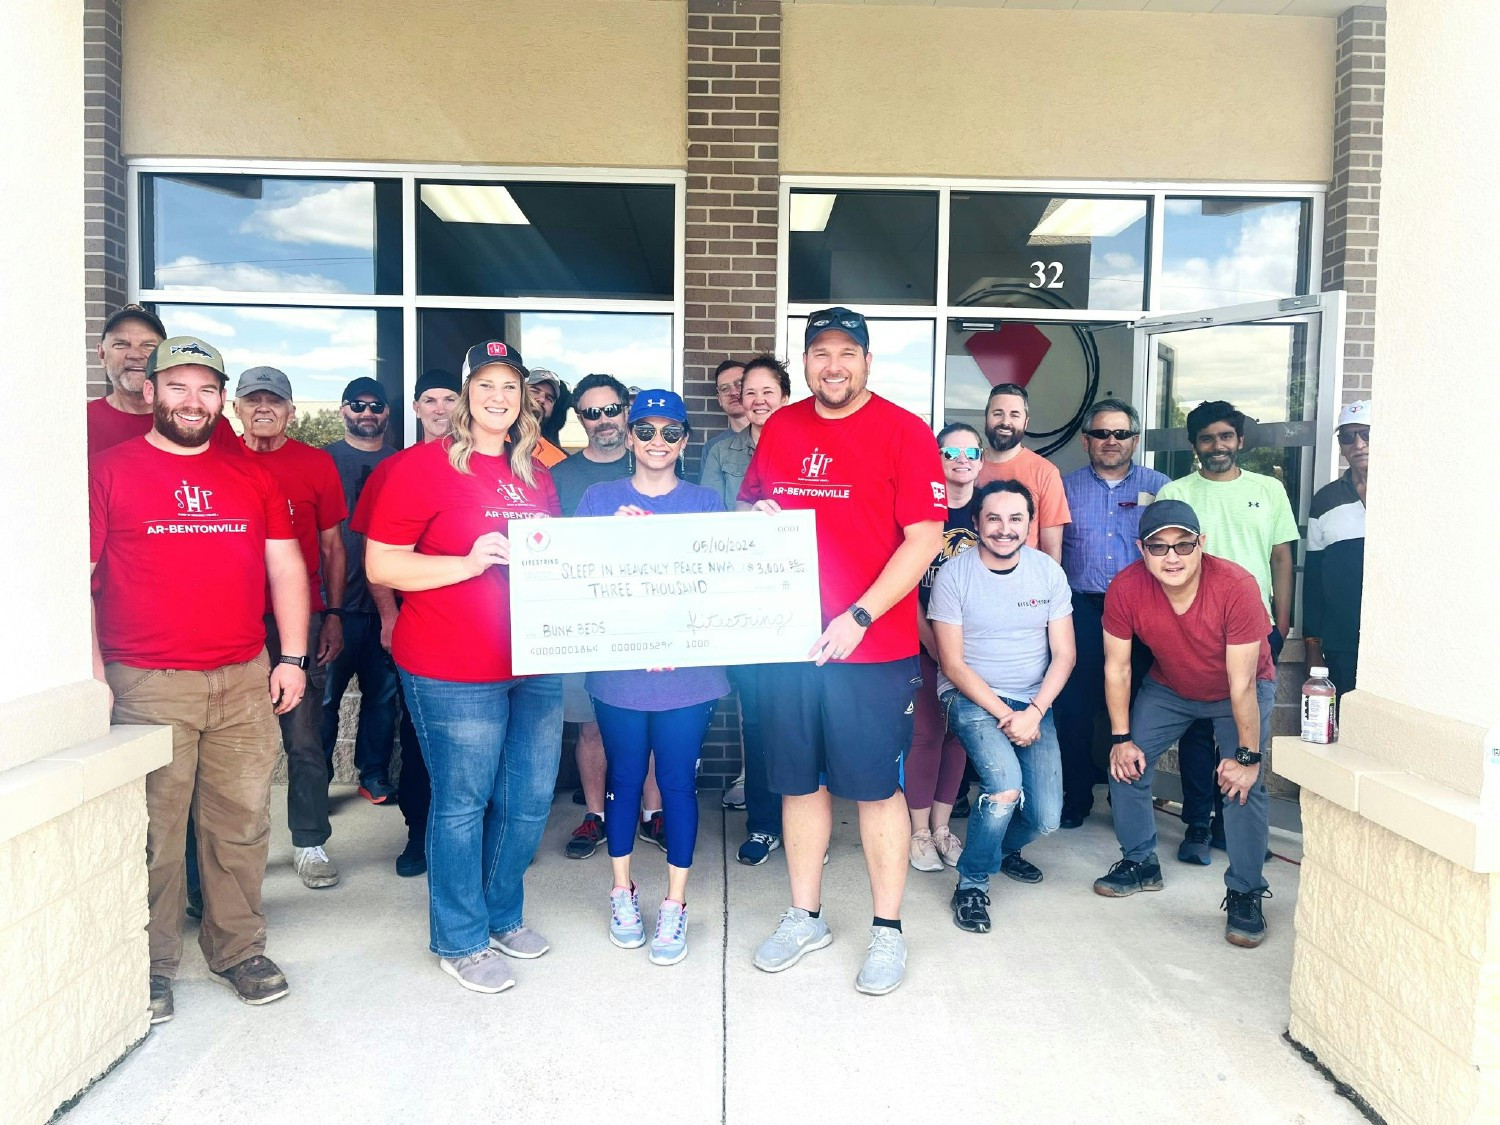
[473, 203]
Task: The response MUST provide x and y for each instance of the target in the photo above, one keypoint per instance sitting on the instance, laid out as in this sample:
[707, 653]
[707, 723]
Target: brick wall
[104, 177]
[1352, 230]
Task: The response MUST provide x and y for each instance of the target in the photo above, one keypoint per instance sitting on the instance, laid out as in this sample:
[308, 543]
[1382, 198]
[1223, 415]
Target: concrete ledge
[1432, 816]
[39, 791]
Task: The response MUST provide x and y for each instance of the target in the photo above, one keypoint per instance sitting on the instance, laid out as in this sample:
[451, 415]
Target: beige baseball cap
[178, 351]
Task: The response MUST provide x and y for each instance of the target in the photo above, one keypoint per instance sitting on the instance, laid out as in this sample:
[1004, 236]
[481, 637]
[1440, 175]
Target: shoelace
[677, 921]
[315, 855]
[1124, 866]
[784, 930]
[590, 828]
[885, 944]
[1263, 893]
[625, 908]
[762, 838]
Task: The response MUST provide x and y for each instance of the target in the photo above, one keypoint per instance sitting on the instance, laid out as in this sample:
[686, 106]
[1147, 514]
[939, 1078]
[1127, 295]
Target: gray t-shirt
[1004, 617]
[573, 476]
[355, 467]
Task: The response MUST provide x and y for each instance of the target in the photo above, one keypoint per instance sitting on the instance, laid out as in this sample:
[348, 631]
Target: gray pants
[1157, 720]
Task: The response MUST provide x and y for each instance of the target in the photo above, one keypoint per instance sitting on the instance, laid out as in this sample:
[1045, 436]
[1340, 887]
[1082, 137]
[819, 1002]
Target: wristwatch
[1247, 757]
[302, 662]
[861, 616]
[334, 611]
[1120, 739]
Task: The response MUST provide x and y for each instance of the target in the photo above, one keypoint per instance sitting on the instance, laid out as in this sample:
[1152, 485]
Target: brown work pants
[225, 741]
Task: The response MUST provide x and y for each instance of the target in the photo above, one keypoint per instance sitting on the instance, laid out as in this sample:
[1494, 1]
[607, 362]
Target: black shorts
[849, 722]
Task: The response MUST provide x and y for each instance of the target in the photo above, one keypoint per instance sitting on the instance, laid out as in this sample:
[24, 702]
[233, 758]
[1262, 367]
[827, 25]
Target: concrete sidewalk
[1075, 1008]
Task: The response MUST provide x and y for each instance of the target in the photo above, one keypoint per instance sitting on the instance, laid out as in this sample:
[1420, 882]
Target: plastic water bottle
[1489, 793]
[1319, 709]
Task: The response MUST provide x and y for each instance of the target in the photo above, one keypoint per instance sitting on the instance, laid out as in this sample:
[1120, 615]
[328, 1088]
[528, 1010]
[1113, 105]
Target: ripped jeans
[1035, 771]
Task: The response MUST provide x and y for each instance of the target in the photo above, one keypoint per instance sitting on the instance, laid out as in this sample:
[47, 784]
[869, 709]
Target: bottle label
[1317, 719]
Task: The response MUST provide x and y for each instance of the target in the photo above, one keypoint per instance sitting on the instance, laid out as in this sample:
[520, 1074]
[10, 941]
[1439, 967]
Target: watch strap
[1120, 739]
[296, 661]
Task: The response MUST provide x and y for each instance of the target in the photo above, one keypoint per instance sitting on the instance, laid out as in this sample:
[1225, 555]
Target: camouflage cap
[178, 351]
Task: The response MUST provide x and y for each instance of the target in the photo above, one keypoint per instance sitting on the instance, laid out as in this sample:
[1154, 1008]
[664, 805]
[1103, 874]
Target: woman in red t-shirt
[490, 739]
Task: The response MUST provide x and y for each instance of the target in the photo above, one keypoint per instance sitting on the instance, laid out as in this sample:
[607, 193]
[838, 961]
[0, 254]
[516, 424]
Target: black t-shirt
[573, 476]
[355, 467]
[958, 537]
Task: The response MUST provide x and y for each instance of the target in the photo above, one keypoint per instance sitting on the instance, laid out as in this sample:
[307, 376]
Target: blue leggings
[676, 736]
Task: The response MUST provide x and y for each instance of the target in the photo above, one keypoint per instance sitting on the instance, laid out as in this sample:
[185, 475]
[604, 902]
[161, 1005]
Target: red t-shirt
[108, 427]
[1045, 483]
[180, 547]
[310, 481]
[867, 476]
[459, 632]
[1189, 649]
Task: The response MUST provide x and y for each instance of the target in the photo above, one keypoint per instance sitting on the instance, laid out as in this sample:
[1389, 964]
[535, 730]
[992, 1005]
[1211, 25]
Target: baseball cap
[436, 379]
[364, 385]
[838, 319]
[542, 375]
[264, 379]
[1355, 414]
[493, 351]
[134, 312]
[179, 351]
[658, 404]
[1169, 513]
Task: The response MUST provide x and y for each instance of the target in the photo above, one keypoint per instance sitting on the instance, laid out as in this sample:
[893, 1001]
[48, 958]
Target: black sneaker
[1072, 820]
[654, 831]
[1246, 925]
[1128, 876]
[413, 860]
[961, 806]
[1195, 846]
[971, 910]
[1019, 869]
[1216, 834]
[578, 797]
[586, 837]
[161, 999]
[195, 904]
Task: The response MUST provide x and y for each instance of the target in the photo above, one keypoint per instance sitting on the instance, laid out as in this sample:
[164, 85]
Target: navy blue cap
[364, 385]
[658, 404]
[837, 319]
[493, 351]
[436, 379]
[1169, 513]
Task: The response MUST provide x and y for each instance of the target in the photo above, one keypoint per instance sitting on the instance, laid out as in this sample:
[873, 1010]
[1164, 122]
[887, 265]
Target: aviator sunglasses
[594, 413]
[361, 407]
[671, 433]
[952, 452]
[1118, 435]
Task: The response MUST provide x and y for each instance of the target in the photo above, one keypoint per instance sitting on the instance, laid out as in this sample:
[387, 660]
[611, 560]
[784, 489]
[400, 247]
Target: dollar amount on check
[612, 592]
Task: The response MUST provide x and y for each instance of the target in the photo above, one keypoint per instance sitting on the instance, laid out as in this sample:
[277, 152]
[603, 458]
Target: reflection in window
[1040, 251]
[875, 247]
[900, 362]
[1219, 251]
[267, 234]
[319, 349]
[539, 239]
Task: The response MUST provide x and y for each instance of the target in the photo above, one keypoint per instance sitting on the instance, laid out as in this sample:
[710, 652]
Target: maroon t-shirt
[1189, 648]
[108, 427]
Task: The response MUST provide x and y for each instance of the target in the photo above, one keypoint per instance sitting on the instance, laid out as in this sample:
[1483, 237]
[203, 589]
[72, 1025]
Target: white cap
[1355, 413]
[1318, 673]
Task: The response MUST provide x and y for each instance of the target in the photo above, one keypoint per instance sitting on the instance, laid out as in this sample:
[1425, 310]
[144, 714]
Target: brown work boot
[256, 980]
[161, 999]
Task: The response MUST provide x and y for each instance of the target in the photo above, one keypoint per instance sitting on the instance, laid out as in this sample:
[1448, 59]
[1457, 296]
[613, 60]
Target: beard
[607, 437]
[1000, 442]
[368, 425]
[165, 423]
[1218, 462]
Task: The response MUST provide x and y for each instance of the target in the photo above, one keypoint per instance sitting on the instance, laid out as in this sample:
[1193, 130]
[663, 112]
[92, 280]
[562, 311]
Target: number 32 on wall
[1048, 275]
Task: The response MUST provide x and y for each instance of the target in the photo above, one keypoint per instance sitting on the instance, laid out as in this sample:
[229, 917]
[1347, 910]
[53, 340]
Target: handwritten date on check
[662, 591]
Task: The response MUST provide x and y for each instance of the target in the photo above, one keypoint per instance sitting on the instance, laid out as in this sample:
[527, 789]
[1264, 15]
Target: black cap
[364, 385]
[134, 312]
[493, 351]
[1169, 513]
[436, 379]
[837, 319]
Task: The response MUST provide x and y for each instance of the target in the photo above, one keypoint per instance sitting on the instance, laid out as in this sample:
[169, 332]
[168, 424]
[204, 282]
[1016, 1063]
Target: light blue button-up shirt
[1100, 542]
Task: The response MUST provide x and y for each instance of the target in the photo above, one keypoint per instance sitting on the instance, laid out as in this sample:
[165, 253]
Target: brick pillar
[733, 160]
[1352, 229]
[104, 178]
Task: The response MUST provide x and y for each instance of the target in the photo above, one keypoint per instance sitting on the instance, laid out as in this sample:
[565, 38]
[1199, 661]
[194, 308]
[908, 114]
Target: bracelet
[1039, 711]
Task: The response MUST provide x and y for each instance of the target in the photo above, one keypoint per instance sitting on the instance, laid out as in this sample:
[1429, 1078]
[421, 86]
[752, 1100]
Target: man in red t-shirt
[184, 541]
[1006, 415]
[1205, 622]
[310, 481]
[839, 726]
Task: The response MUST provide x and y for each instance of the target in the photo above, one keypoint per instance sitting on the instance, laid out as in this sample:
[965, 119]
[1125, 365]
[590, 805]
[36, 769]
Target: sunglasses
[671, 433]
[1186, 547]
[1351, 436]
[1118, 435]
[361, 407]
[594, 413]
[953, 452]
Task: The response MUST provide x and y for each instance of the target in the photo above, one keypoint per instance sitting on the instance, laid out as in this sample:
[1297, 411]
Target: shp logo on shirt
[815, 466]
[193, 500]
[511, 493]
[196, 515]
[814, 482]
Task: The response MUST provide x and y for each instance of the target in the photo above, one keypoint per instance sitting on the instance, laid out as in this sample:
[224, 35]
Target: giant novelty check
[612, 592]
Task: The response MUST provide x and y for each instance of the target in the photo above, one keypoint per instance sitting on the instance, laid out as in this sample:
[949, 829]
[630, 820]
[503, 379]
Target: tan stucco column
[72, 804]
[1396, 980]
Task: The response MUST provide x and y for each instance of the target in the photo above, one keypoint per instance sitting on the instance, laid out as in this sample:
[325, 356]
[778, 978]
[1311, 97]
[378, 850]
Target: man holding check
[839, 726]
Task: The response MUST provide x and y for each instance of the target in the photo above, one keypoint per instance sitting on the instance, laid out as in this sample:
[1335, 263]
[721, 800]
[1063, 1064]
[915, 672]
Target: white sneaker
[314, 868]
[922, 853]
[949, 847]
[734, 796]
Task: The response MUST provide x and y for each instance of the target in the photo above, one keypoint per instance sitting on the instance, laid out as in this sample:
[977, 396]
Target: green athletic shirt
[1242, 518]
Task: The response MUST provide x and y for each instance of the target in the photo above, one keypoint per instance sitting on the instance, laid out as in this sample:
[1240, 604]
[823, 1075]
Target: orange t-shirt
[1042, 478]
[547, 453]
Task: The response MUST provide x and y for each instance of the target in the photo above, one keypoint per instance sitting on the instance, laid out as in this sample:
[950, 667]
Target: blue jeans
[997, 829]
[363, 657]
[492, 751]
[762, 807]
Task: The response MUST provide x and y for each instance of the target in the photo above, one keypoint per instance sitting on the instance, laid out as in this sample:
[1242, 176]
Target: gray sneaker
[885, 963]
[314, 868]
[521, 942]
[485, 971]
[797, 935]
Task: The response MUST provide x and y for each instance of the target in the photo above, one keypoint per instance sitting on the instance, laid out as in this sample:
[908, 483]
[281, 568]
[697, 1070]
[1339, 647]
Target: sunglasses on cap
[671, 433]
[1186, 547]
[1118, 435]
[952, 452]
[594, 413]
[1349, 437]
[361, 407]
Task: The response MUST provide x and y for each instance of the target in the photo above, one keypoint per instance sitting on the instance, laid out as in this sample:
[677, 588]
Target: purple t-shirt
[641, 690]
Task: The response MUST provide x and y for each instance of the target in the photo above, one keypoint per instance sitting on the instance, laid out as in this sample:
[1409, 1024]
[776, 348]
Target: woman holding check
[660, 710]
[491, 739]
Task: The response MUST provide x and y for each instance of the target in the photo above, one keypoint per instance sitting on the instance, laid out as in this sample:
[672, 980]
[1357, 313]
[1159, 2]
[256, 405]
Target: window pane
[900, 366]
[1041, 251]
[635, 348]
[1064, 367]
[875, 247]
[527, 239]
[320, 350]
[262, 234]
[1219, 252]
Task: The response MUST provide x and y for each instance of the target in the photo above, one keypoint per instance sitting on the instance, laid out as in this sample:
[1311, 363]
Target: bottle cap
[1319, 673]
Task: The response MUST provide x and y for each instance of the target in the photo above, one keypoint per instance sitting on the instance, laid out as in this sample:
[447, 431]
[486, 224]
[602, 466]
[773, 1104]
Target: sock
[817, 912]
[647, 814]
[889, 923]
